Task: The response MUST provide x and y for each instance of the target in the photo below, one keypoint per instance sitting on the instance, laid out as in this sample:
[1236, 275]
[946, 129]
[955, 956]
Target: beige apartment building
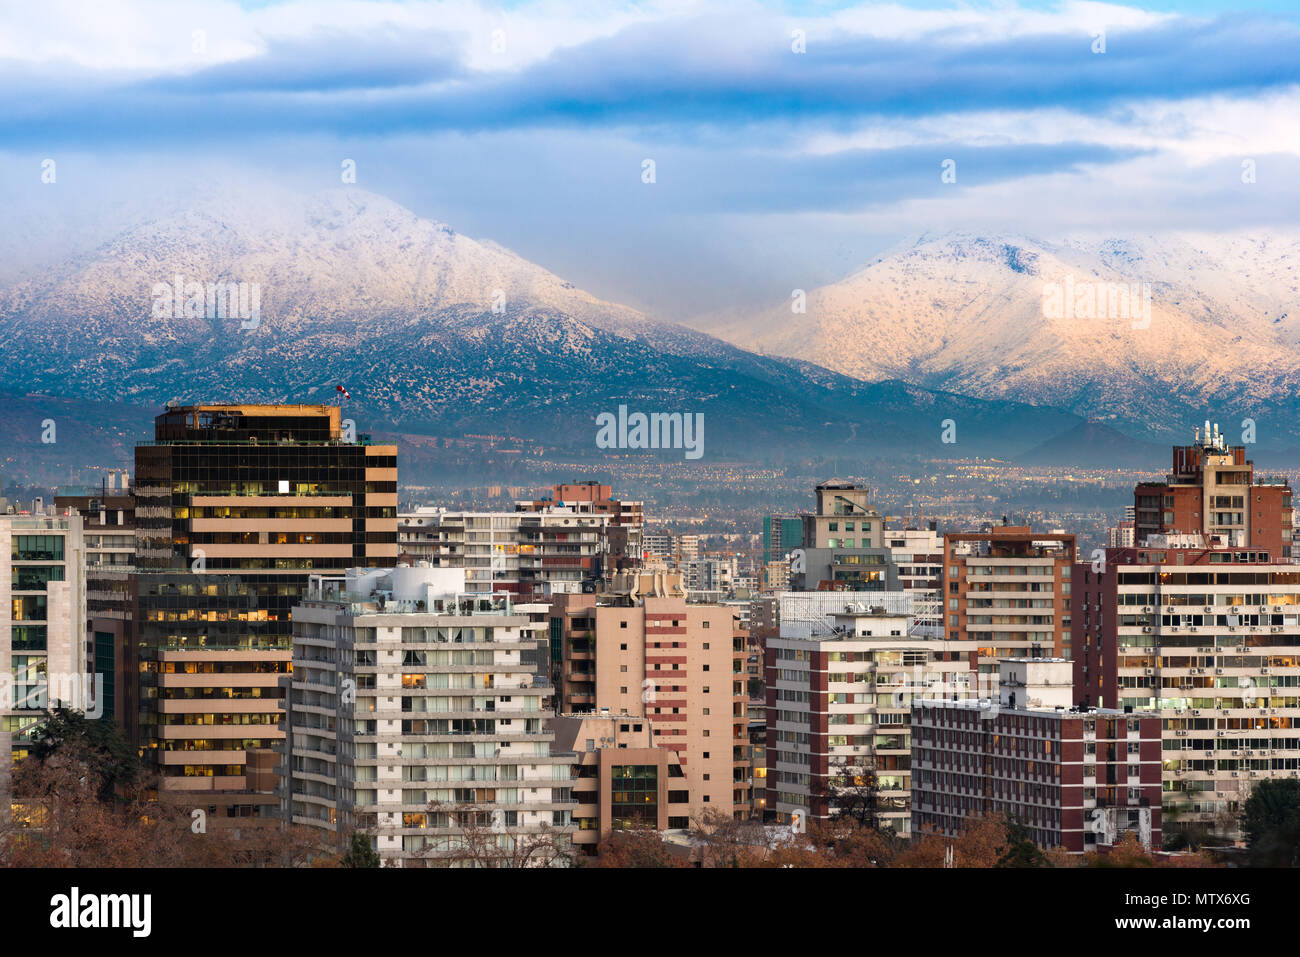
[641, 649]
[44, 656]
[621, 780]
[1006, 591]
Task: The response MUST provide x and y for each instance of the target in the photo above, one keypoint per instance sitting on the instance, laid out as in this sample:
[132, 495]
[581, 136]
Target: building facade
[839, 713]
[1075, 779]
[1006, 591]
[416, 719]
[236, 506]
[45, 660]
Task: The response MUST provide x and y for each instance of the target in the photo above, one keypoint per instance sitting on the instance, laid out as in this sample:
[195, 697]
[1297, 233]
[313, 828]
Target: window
[706, 625]
[622, 624]
[622, 647]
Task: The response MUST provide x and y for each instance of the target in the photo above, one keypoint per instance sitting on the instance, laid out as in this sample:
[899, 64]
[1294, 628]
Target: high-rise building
[843, 544]
[839, 713]
[1006, 590]
[44, 656]
[417, 719]
[1209, 638]
[640, 649]
[236, 506]
[1212, 491]
[1076, 779]
[108, 514]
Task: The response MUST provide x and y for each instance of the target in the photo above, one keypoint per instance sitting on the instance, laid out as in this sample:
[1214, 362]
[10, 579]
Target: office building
[236, 506]
[45, 660]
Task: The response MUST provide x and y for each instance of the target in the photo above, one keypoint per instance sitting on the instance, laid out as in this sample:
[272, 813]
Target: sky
[791, 143]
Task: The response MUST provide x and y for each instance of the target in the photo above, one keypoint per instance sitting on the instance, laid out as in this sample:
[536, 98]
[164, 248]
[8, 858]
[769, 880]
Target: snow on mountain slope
[966, 313]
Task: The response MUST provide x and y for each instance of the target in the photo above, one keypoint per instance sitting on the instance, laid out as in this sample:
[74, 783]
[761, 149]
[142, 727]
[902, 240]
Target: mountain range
[435, 333]
[972, 314]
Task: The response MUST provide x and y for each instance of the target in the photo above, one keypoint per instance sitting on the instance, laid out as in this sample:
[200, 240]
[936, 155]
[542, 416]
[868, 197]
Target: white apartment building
[45, 660]
[918, 553]
[416, 717]
[559, 550]
[839, 711]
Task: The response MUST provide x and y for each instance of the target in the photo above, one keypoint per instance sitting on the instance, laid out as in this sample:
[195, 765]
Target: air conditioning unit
[1263, 671]
[1147, 671]
[1235, 610]
[1209, 608]
[1218, 671]
[1254, 774]
[1191, 627]
[1147, 608]
[1277, 607]
[1147, 630]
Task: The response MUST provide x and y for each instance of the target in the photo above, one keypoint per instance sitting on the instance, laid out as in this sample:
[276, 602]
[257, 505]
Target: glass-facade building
[236, 507]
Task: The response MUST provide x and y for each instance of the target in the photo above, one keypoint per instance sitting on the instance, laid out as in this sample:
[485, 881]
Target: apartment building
[236, 506]
[1209, 638]
[108, 516]
[1076, 779]
[622, 780]
[839, 712]
[531, 554]
[1212, 491]
[1007, 592]
[918, 555]
[414, 718]
[626, 519]
[640, 649]
[44, 657]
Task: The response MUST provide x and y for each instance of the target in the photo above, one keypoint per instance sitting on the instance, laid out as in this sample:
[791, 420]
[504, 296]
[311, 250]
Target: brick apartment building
[1076, 779]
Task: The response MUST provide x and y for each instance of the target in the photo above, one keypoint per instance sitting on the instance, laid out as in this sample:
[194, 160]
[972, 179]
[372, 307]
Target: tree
[98, 747]
[1270, 822]
[480, 841]
[726, 841]
[640, 847]
[1020, 851]
[360, 854]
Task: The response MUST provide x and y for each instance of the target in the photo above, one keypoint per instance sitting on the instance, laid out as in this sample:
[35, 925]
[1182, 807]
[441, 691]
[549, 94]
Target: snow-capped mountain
[988, 317]
[431, 332]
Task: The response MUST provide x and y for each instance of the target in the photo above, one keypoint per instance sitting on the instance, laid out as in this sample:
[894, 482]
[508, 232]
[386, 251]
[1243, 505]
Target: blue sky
[528, 123]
